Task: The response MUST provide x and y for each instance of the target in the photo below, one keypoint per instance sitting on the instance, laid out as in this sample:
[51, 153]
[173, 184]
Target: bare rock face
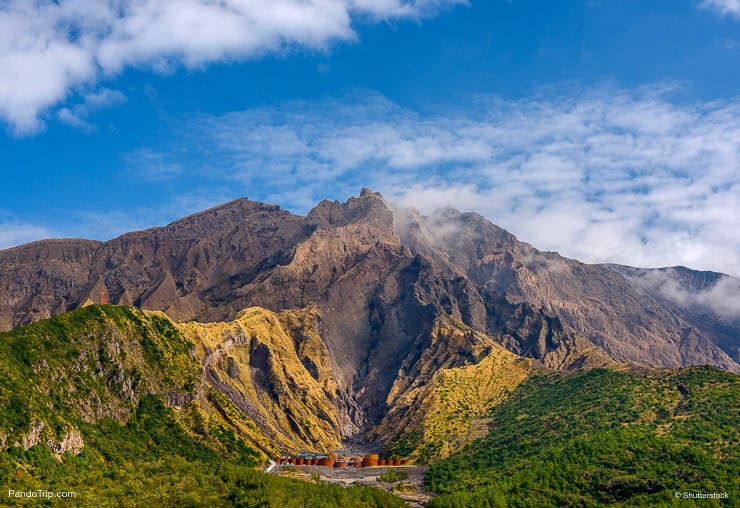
[71, 443]
[659, 318]
[44, 278]
[34, 435]
[184, 268]
[275, 369]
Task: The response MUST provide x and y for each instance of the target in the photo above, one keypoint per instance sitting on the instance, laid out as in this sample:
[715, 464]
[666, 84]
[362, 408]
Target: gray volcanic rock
[380, 277]
[659, 318]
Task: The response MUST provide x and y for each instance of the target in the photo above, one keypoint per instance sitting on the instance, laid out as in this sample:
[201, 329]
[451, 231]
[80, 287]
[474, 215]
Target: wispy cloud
[76, 115]
[148, 164]
[49, 48]
[16, 233]
[722, 297]
[603, 176]
[731, 7]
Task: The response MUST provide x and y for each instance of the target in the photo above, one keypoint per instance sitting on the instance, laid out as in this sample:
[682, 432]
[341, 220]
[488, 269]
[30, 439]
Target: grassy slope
[104, 371]
[455, 406]
[602, 437]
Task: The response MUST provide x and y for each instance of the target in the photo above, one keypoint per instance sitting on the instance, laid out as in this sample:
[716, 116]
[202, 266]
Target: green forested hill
[106, 401]
[153, 461]
[602, 437]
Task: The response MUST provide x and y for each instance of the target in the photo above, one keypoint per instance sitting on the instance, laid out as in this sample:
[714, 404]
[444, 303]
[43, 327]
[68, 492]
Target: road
[270, 466]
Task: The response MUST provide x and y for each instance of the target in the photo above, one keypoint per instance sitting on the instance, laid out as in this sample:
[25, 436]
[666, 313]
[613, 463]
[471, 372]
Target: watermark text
[41, 494]
[700, 495]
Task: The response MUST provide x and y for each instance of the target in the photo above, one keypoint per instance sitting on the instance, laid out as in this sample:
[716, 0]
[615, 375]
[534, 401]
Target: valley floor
[410, 490]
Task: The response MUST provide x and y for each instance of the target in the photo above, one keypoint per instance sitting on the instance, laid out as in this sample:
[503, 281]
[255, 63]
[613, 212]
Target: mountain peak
[368, 207]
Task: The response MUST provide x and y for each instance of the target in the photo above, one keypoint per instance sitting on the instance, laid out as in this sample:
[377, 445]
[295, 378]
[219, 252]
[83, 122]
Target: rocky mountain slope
[268, 377]
[97, 364]
[342, 256]
[373, 308]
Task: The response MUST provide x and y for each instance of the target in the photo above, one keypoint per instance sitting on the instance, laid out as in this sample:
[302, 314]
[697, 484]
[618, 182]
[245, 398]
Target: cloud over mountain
[15, 233]
[602, 175]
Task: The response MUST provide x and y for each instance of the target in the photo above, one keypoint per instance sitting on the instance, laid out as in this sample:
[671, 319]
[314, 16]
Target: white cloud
[16, 233]
[602, 176]
[49, 48]
[724, 6]
[722, 296]
[103, 98]
[76, 116]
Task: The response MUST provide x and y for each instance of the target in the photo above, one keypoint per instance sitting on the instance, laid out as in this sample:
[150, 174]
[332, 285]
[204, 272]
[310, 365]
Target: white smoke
[722, 297]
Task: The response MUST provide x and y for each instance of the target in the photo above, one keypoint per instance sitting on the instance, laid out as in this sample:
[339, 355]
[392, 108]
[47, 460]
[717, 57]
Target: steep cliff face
[663, 317]
[709, 303]
[268, 377]
[439, 400]
[185, 268]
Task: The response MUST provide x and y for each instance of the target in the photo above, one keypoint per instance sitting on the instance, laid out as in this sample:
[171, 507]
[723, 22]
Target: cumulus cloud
[724, 6]
[602, 176]
[49, 48]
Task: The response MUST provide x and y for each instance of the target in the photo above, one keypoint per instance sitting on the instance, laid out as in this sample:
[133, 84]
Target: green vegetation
[103, 374]
[602, 437]
[84, 364]
[402, 445]
[393, 476]
[153, 461]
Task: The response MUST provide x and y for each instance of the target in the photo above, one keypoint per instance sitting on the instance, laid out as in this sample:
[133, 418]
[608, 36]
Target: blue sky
[608, 130]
